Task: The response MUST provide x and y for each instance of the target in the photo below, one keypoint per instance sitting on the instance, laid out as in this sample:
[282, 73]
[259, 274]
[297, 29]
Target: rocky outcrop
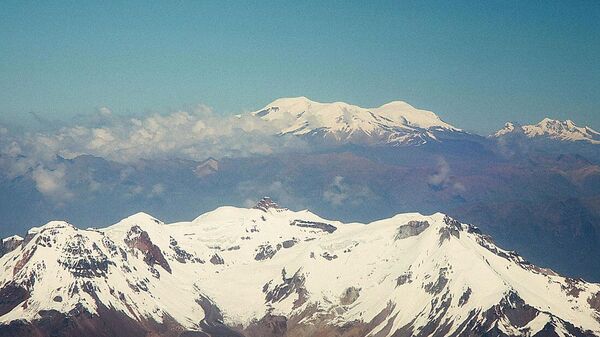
[287, 287]
[267, 203]
[349, 296]
[140, 240]
[313, 224]
[411, 228]
[12, 295]
[9, 244]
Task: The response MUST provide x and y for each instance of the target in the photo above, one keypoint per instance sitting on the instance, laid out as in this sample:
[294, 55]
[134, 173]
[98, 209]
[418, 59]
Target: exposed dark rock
[474, 230]
[83, 259]
[26, 256]
[452, 223]
[268, 326]
[79, 322]
[264, 252]
[139, 239]
[9, 244]
[411, 228]
[287, 287]
[464, 298]
[288, 243]
[594, 302]
[403, 279]
[439, 284]
[111, 246]
[87, 266]
[216, 259]
[445, 233]
[266, 203]
[212, 324]
[11, 295]
[316, 225]
[572, 288]
[350, 295]
[328, 256]
[180, 254]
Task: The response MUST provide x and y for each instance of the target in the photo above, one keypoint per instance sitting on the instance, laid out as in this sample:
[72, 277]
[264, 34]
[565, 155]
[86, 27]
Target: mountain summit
[251, 272]
[552, 129]
[392, 123]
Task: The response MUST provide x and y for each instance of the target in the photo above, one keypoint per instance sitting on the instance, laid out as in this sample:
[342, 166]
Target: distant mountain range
[392, 123]
[395, 123]
[565, 131]
[267, 271]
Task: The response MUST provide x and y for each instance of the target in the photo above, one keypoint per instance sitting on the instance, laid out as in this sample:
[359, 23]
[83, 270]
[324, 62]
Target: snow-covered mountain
[551, 129]
[392, 123]
[269, 271]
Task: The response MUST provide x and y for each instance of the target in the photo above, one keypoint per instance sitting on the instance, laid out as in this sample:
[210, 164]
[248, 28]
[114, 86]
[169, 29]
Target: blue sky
[477, 64]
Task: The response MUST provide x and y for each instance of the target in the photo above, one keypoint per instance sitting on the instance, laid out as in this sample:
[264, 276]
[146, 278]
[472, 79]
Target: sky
[476, 64]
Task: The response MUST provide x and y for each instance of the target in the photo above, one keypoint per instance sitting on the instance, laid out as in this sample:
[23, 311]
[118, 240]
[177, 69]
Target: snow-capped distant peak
[508, 128]
[396, 122]
[554, 129]
[402, 111]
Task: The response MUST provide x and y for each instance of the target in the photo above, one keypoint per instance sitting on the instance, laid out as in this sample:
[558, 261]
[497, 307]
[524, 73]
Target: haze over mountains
[535, 188]
[269, 271]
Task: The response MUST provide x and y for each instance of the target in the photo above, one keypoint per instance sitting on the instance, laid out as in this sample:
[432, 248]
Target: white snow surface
[14, 238]
[395, 122]
[554, 129]
[368, 257]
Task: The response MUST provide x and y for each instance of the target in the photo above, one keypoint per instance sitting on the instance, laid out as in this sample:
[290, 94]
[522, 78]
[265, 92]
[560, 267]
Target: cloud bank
[339, 192]
[195, 135]
[443, 179]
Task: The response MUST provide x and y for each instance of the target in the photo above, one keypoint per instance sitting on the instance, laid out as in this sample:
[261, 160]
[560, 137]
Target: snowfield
[414, 274]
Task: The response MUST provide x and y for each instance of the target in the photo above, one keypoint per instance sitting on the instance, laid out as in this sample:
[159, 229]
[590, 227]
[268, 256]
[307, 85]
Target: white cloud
[135, 190]
[104, 111]
[442, 174]
[196, 134]
[52, 182]
[442, 178]
[157, 190]
[340, 192]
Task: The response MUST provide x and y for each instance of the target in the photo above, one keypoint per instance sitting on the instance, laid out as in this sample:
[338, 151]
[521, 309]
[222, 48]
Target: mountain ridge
[270, 271]
[395, 123]
[553, 129]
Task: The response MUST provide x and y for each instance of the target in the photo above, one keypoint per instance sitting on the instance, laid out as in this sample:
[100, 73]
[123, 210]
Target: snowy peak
[401, 111]
[553, 129]
[14, 238]
[317, 277]
[508, 128]
[395, 122]
[10, 243]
